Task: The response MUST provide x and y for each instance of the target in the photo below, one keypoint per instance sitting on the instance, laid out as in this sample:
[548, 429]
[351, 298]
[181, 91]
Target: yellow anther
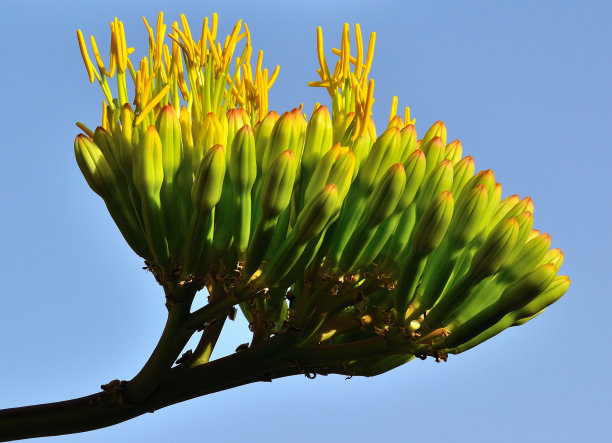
[346, 51]
[88, 64]
[151, 105]
[113, 51]
[370, 56]
[359, 59]
[105, 124]
[213, 30]
[272, 78]
[159, 41]
[324, 73]
[96, 53]
[203, 42]
[121, 46]
[393, 112]
[150, 32]
[407, 120]
[85, 129]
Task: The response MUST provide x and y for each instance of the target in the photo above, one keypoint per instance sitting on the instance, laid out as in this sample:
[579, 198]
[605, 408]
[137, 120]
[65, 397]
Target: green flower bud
[438, 129]
[432, 226]
[453, 151]
[318, 140]
[495, 250]
[462, 172]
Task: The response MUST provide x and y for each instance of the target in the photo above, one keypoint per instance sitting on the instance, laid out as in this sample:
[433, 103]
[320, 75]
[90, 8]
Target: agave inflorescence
[353, 252]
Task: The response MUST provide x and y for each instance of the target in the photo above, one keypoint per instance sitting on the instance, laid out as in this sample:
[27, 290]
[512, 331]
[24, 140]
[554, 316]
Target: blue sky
[524, 85]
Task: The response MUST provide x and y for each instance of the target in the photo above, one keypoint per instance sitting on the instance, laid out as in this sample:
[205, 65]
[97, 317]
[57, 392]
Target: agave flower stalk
[348, 252]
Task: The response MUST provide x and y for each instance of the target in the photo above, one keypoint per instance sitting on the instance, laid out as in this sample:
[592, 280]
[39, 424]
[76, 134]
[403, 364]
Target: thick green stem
[171, 343]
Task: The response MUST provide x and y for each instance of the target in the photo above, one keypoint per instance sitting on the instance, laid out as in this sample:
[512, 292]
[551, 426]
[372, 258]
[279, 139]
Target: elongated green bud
[93, 166]
[318, 140]
[551, 294]
[384, 153]
[495, 250]
[415, 171]
[317, 213]
[104, 141]
[169, 130]
[453, 151]
[527, 257]
[462, 172]
[554, 256]
[263, 133]
[278, 186]
[148, 176]
[210, 134]
[148, 166]
[434, 153]
[432, 226]
[206, 193]
[440, 179]
[312, 220]
[513, 298]
[468, 212]
[243, 171]
[438, 129]
[236, 119]
[102, 181]
[407, 145]
[208, 183]
[285, 135]
[382, 201]
[336, 166]
[379, 206]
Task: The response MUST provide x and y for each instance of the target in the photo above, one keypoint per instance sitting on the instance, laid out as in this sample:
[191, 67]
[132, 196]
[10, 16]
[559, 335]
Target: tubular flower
[325, 234]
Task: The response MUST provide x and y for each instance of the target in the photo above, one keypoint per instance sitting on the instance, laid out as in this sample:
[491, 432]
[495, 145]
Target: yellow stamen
[272, 78]
[85, 129]
[105, 124]
[96, 53]
[407, 120]
[88, 64]
[370, 56]
[359, 59]
[151, 105]
[393, 112]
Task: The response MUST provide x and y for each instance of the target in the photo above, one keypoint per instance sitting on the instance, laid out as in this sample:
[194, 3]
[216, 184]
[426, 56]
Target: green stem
[171, 343]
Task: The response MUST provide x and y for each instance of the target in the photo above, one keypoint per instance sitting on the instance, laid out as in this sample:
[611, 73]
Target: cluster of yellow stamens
[198, 72]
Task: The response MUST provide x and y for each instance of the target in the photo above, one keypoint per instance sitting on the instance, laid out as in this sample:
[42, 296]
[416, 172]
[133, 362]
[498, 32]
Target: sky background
[524, 85]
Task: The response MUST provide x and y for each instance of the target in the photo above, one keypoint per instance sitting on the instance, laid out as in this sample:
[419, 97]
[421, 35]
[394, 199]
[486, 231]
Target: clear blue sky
[524, 85]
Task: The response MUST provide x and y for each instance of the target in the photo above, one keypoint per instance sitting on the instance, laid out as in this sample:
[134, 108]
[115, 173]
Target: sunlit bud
[396, 121]
[554, 256]
[527, 257]
[415, 171]
[527, 288]
[467, 217]
[186, 135]
[383, 154]
[434, 152]
[148, 173]
[318, 139]
[278, 186]
[438, 129]
[208, 183]
[495, 250]
[462, 172]
[236, 119]
[432, 226]
[93, 165]
[453, 151]
[169, 130]
[408, 138]
[285, 135]
[440, 179]
[263, 133]
[317, 213]
[383, 199]
[551, 294]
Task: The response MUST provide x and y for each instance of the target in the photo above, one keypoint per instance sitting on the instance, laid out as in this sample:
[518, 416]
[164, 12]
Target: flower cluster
[322, 228]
